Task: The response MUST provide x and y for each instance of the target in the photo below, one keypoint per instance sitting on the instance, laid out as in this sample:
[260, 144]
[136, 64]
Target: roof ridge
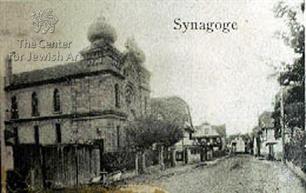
[46, 68]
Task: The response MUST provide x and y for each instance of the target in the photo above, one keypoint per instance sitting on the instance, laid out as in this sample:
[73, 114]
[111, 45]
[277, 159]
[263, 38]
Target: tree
[293, 78]
[144, 132]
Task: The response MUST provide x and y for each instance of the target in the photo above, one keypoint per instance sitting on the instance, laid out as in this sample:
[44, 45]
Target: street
[239, 174]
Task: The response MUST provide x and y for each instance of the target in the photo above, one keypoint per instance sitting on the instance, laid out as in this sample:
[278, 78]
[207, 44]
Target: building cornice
[74, 116]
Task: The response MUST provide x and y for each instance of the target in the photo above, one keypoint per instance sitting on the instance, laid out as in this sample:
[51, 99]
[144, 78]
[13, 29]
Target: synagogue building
[60, 120]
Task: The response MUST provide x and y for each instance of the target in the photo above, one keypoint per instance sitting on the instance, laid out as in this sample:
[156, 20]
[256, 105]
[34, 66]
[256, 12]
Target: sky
[225, 78]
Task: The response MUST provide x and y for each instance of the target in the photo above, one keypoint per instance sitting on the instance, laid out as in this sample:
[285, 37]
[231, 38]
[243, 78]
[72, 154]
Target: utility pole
[2, 117]
[282, 121]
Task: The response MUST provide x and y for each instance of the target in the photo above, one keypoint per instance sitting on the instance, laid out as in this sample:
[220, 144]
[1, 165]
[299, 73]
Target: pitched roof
[206, 130]
[48, 73]
[172, 108]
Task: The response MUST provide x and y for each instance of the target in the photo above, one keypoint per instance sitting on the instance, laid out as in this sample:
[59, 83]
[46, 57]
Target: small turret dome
[134, 51]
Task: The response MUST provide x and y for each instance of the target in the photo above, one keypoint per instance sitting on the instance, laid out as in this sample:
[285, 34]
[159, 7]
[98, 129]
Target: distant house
[210, 137]
[270, 147]
[238, 145]
[214, 135]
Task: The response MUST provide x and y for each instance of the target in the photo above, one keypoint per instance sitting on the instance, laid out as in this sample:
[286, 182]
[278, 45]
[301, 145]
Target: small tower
[8, 70]
[102, 37]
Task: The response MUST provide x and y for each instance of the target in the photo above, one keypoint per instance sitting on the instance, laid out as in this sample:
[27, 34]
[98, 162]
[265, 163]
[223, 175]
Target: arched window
[56, 101]
[14, 108]
[34, 104]
[129, 95]
[118, 136]
[117, 95]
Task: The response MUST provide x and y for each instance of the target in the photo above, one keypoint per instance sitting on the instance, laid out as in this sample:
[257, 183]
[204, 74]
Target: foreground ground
[239, 174]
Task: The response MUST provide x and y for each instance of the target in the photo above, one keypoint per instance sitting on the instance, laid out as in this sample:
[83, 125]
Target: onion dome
[100, 30]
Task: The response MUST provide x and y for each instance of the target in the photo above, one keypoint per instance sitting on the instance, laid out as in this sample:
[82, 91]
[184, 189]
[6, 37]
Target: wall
[45, 96]
[92, 94]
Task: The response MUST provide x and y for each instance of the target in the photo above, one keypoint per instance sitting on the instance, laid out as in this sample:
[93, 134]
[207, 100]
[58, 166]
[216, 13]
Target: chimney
[8, 70]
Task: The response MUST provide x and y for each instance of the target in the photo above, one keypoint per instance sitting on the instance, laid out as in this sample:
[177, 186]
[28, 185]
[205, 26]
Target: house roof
[206, 130]
[173, 109]
[220, 129]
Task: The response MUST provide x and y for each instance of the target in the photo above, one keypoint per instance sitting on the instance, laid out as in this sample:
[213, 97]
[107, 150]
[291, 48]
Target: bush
[295, 152]
[123, 160]
[151, 157]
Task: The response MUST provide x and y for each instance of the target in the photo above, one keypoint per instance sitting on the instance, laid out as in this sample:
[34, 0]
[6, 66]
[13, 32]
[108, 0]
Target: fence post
[186, 155]
[143, 161]
[173, 157]
[161, 158]
[282, 122]
[136, 163]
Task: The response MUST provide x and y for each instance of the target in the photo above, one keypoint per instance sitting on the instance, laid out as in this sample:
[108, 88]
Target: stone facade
[85, 104]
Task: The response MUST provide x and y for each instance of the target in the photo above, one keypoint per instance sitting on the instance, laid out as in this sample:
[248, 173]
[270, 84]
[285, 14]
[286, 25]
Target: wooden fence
[56, 165]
